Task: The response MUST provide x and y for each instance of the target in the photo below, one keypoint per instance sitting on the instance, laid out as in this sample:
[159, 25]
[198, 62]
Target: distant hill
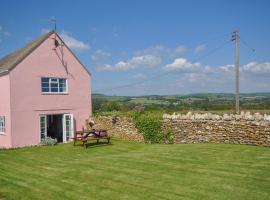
[174, 103]
[200, 95]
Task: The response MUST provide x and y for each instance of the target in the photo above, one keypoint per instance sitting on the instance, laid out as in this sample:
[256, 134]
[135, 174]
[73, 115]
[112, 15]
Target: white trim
[57, 81]
[65, 125]
[52, 93]
[45, 133]
[3, 124]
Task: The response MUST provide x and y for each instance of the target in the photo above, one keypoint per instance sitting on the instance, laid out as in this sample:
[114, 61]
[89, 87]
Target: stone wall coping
[256, 118]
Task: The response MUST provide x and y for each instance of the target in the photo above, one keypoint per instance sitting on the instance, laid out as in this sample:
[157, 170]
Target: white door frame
[67, 124]
[45, 126]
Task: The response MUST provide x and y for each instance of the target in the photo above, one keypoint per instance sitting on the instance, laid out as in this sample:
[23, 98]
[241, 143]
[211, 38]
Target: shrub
[166, 137]
[150, 127]
[48, 141]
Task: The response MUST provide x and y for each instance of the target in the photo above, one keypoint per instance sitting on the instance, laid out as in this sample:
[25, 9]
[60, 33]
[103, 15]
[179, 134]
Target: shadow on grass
[97, 144]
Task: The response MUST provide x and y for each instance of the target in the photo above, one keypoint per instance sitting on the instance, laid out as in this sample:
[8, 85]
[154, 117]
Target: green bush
[48, 141]
[150, 127]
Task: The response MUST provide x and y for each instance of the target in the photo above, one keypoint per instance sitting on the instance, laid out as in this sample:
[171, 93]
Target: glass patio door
[67, 127]
[43, 126]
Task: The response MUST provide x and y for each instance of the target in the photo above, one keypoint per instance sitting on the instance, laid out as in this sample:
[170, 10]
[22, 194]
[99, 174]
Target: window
[2, 124]
[54, 85]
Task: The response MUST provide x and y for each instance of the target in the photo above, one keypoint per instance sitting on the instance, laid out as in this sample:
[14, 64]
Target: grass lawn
[129, 170]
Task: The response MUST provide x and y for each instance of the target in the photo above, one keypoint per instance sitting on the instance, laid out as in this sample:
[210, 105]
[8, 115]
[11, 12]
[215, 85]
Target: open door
[43, 126]
[67, 127]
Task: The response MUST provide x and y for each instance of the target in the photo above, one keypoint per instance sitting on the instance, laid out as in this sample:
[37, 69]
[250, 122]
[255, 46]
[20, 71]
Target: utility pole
[235, 38]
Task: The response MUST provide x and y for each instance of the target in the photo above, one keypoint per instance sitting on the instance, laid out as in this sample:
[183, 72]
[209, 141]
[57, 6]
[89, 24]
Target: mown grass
[129, 170]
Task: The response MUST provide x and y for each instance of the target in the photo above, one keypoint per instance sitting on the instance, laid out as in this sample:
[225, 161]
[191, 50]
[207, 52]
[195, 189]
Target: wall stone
[228, 132]
[123, 129]
[246, 129]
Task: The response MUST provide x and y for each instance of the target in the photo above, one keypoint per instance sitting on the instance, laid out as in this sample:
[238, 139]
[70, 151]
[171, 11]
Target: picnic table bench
[85, 136]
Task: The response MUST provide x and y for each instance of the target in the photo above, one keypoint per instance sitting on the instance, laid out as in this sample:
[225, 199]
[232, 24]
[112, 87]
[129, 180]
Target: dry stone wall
[124, 128]
[199, 128]
[234, 129]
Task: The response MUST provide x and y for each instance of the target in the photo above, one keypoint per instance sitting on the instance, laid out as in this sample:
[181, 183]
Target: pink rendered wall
[5, 138]
[27, 101]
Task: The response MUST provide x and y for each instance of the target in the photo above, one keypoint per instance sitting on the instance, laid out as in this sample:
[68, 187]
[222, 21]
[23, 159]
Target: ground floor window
[2, 124]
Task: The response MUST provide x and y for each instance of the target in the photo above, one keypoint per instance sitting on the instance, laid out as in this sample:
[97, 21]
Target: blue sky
[144, 47]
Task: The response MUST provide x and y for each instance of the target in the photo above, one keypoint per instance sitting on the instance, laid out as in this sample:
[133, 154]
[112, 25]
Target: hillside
[199, 101]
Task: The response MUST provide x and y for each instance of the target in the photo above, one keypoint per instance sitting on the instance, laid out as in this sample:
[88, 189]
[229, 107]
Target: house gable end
[10, 61]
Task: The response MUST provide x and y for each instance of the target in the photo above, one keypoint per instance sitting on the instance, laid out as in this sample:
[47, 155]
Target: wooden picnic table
[86, 135]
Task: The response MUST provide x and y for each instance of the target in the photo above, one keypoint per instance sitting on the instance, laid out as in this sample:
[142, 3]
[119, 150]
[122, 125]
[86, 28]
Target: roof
[11, 60]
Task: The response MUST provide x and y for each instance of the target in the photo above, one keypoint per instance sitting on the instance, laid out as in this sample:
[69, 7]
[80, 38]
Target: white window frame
[54, 80]
[2, 125]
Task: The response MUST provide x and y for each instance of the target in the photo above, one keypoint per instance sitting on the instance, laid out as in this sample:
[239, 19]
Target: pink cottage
[44, 91]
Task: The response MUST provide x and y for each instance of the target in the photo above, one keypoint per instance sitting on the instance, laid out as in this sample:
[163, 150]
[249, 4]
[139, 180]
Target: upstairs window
[2, 124]
[53, 85]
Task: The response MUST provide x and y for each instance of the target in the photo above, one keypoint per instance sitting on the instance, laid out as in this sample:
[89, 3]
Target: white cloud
[192, 77]
[162, 51]
[227, 68]
[138, 77]
[180, 49]
[255, 68]
[206, 79]
[100, 55]
[208, 69]
[200, 48]
[157, 50]
[254, 77]
[181, 64]
[148, 61]
[73, 43]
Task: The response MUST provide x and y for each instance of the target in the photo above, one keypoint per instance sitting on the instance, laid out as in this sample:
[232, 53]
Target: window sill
[54, 93]
[2, 133]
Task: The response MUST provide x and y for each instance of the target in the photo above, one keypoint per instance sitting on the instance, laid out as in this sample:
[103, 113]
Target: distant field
[129, 170]
[217, 102]
[147, 101]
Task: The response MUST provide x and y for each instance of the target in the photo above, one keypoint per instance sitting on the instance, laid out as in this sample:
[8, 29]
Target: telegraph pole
[235, 38]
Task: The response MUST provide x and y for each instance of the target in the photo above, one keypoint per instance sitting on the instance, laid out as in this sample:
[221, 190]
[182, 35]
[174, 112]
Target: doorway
[57, 126]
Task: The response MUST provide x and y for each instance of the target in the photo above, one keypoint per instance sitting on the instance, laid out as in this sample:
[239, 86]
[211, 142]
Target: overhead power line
[246, 44]
[212, 51]
[255, 51]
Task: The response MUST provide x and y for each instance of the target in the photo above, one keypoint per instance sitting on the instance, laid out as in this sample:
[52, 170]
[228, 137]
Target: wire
[253, 50]
[211, 51]
[246, 45]
[215, 38]
[164, 73]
